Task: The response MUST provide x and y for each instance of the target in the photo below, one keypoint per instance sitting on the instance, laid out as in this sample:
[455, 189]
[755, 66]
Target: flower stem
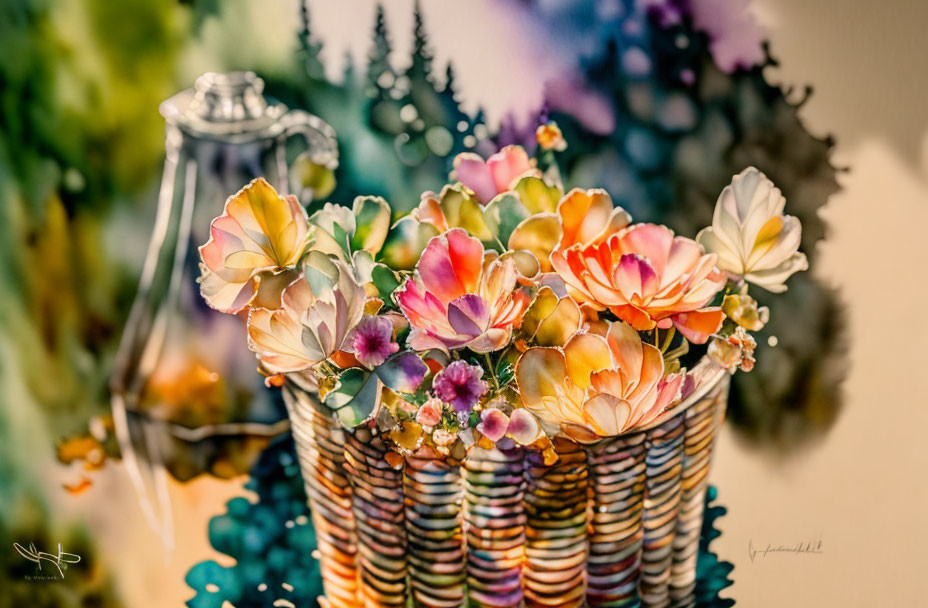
[492, 370]
[668, 339]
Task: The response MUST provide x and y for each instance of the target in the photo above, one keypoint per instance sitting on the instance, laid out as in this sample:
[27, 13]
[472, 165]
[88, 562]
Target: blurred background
[192, 495]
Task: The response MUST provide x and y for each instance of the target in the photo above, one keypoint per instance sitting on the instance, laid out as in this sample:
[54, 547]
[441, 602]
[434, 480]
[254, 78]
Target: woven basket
[616, 523]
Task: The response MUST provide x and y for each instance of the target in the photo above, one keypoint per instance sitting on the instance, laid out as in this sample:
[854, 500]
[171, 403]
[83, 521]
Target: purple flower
[460, 385]
[372, 341]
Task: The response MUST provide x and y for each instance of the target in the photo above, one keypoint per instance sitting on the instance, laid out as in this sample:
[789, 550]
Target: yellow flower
[549, 137]
[743, 310]
[259, 234]
[750, 234]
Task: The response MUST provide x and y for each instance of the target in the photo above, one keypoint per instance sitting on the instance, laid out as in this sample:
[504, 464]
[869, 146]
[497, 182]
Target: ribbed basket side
[556, 543]
[701, 423]
[320, 448]
[617, 481]
[434, 496]
[663, 487]
[377, 502]
[494, 526]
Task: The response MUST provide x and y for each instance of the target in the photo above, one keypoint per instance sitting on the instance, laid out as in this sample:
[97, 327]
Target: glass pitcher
[185, 394]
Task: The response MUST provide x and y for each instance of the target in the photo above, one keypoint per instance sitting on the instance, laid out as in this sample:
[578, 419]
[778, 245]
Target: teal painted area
[271, 539]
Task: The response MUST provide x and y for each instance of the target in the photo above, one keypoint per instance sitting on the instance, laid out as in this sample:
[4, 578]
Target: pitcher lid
[226, 106]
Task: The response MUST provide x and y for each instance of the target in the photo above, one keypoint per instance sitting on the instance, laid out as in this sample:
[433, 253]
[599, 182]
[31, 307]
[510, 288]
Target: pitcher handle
[319, 136]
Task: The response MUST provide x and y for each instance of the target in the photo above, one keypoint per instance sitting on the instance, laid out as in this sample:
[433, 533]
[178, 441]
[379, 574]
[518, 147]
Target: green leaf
[503, 214]
[372, 218]
[537, 196]
[464, 211]
[385, 280]
[356, 397]
[320, 271]
[406, 242]
[402, 372]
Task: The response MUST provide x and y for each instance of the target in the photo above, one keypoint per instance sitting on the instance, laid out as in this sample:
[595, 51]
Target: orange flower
[647, 277]
[549, 137]
[596, 386]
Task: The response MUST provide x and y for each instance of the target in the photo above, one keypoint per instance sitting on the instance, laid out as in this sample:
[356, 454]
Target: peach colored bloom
[750, 234]
[430, 413]
[596, 386]
[736, 350]
[259, 233]
[648, 278]
[588, 217]
[458, 297]
[314, 318]
[443, 438]
[743, 310]
[497, 174]
[581, 217]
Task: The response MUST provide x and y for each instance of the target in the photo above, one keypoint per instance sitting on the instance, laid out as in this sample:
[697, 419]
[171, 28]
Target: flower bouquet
[508, 396]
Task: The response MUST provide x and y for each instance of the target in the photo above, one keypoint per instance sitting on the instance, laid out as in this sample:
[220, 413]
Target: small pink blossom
[441, 437]
[430, 413]
[487, 178]
[523, 426]
[460, 385]
[372, 341]
[493, 424]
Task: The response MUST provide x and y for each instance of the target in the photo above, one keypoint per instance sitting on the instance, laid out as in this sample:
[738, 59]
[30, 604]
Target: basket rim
[708, 372]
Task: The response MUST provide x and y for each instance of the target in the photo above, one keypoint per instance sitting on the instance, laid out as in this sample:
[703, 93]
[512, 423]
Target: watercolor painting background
[859, 488]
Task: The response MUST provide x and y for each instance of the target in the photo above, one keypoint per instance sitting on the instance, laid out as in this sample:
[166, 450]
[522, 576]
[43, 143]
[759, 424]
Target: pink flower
[430, 413]
[648, 278]
[372, 341]
[493, 424]
[495, 175]
[460, 385]
[524, 427]
[459, 297]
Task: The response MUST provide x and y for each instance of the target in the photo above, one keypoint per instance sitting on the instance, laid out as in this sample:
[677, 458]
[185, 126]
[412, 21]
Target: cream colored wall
[863, 491]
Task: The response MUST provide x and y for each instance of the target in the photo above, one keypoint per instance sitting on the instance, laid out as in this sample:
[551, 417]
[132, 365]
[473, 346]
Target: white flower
[750, 234]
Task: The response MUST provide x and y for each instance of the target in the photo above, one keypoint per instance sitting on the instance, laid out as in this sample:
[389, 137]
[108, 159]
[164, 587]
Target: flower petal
[539, 234]
[468, 315]
[508, 165]
[607, 415]
[587, 216]
[523, 426]
[698, 325]
[540, 373]
[493, 424]
[586, 354]
[402, 373]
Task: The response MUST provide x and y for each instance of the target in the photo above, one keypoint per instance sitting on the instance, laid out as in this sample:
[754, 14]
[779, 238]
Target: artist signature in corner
[59, 560]
[809, 547]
